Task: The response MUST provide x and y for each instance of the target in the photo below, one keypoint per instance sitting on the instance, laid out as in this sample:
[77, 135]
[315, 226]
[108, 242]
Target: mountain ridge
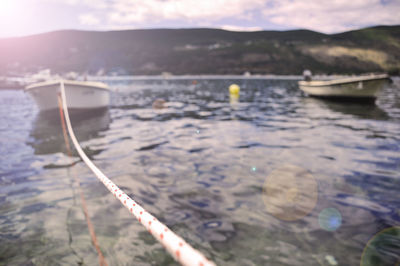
[203, 51]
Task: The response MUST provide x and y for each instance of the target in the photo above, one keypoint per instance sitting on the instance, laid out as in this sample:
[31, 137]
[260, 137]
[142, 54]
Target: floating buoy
[159, 104]
[234, 89]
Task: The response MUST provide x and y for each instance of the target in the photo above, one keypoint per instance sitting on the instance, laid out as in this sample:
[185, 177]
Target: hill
[204, 51]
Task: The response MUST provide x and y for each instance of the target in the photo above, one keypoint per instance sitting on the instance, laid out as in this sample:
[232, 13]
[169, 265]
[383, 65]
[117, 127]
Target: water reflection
[47, 137]
[234, 100]
[368, 110]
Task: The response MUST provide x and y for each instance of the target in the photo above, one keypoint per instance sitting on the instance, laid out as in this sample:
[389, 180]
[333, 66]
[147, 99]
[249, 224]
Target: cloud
[240, 28]
[133, 11]
[326, 16]
[335, 16]
[95, 4]
[89, 19]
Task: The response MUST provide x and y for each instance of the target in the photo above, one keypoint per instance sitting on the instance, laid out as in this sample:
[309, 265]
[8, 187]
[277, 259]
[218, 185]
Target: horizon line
[193, 28]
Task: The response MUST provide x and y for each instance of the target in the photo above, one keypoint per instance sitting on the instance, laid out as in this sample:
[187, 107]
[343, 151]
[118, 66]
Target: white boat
[366, 87]
[79, 94]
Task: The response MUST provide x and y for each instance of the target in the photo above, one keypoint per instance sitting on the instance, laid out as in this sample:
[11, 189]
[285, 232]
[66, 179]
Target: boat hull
[350, 88]
[80, 95]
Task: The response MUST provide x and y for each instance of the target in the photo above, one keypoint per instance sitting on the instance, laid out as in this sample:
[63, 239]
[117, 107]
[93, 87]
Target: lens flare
[383, 248]
[6, 6]
[330, 219]
[290, 193]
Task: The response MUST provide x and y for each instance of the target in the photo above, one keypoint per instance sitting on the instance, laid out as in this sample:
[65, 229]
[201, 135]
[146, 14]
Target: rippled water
[273, 178]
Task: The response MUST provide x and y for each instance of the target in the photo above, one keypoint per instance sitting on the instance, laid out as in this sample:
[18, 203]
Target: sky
[26, 17]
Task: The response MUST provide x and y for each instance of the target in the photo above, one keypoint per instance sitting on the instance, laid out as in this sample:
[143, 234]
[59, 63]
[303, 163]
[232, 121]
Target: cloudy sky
[24, 17]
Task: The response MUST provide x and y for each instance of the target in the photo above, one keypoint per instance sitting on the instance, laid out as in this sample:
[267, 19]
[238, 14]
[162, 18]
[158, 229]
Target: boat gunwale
[324, 83]
[91, 84]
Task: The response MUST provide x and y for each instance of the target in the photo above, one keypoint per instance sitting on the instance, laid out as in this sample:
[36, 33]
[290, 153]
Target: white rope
[175, 245]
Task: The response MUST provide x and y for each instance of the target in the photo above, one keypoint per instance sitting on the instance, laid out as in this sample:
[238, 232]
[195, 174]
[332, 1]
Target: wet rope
[179, 249]
[102, 260]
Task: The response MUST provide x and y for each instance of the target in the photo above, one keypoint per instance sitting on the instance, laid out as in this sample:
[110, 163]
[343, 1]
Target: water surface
[228, 175]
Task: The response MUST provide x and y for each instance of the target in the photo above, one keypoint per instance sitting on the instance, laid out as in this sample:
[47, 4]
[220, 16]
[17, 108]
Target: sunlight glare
[7, 8]
[13, 16]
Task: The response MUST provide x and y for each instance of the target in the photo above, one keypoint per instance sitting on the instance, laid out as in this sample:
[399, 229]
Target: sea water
[271, 177]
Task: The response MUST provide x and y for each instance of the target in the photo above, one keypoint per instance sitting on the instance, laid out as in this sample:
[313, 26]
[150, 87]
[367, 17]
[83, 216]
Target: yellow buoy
[234, 89]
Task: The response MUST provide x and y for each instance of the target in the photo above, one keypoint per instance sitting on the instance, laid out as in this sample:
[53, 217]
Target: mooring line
[102, 260]
[179, 249]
